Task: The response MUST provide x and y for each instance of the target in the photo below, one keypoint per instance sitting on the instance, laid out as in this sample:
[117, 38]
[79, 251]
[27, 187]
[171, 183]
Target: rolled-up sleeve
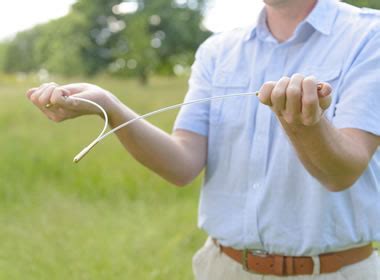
[359, 102]
[195, 117]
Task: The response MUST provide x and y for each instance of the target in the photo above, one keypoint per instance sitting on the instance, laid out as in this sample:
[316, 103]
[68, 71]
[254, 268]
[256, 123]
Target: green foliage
[374, 4]
[93, 38]
[160, 36]
[4, 46]
[20, 56]
[60, 47]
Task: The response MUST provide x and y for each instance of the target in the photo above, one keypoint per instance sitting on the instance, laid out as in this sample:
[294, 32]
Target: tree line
[123, 38]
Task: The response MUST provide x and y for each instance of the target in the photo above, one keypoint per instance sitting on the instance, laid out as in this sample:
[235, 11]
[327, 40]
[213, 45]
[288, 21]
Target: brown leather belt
[259, 262]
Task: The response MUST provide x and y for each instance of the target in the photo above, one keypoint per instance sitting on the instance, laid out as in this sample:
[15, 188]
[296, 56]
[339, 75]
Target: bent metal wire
[103, 135]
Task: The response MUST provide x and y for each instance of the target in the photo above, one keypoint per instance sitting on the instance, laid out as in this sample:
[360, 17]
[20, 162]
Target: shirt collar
[321, 18]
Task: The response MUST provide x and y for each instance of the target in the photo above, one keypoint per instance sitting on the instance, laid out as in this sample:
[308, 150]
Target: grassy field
[105, 218]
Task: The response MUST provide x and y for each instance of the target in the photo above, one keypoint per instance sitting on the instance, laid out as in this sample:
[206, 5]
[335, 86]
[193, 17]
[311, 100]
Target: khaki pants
[211, 264]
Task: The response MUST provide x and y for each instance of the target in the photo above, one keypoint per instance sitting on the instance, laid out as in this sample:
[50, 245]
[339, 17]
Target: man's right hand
[52, 100]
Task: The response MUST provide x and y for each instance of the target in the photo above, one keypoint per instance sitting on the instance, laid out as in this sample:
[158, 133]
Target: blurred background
[107, 217]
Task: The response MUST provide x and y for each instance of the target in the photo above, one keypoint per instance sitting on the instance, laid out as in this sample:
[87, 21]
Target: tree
[374, 4]
[19, 54]
[4, 46]
[97, 16]
[159, 36]
[59, 47]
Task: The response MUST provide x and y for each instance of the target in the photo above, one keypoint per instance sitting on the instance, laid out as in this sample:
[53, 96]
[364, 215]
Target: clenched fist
[297, 100]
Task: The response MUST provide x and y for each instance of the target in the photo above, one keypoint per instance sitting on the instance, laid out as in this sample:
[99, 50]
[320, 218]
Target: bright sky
[227, 14]
[17, 15]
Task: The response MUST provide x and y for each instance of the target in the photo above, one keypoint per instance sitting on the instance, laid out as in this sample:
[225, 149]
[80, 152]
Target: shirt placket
[273, 71]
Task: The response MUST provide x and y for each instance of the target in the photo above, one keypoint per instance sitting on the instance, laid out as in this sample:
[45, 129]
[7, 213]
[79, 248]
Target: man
[293, 175]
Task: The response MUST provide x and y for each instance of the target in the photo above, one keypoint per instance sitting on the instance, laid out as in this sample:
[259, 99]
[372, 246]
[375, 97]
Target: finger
[310, 112]
[265, 93]
[294, 95]
[75, 88]
[35, 95]
[58, 96]
[44, 98]
[278, 95]
[30, 92]
[74, 107]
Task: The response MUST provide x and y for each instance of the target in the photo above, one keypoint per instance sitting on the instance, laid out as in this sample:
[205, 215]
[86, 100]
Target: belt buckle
[255, 252]
[259, 253]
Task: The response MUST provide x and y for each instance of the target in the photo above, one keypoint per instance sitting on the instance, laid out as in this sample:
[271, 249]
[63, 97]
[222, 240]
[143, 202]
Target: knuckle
[298, 76]
[285, 79]
[310, 80]
[293, 91]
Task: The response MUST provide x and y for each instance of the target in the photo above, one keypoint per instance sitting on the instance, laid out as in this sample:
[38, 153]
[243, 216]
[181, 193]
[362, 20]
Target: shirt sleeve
[195, 117]
[359, 103]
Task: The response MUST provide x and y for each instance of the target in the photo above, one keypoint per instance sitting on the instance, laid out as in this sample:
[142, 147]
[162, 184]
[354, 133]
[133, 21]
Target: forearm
[335, 158]
[165, 154]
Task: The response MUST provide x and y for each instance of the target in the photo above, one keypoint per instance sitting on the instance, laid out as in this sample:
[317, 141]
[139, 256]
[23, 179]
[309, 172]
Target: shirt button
[255, 186]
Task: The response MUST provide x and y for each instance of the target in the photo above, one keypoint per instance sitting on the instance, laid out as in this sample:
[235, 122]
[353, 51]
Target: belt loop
[316, 265]
[289, 265]
[244, 259]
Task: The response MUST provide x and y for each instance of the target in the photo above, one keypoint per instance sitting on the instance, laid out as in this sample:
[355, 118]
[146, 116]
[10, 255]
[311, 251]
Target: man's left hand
[297, 100]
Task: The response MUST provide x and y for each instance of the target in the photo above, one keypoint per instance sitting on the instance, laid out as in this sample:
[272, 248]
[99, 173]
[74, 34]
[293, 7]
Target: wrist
[117, 112]
[110, 104]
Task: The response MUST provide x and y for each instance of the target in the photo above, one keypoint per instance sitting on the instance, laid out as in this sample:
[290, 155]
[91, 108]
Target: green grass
[105, 218]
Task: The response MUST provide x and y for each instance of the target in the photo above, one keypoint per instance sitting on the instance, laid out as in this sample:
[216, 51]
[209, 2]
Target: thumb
[324, 89]
[324, 94]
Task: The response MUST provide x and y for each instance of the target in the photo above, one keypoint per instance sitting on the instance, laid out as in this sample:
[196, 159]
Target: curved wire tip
[84, 152]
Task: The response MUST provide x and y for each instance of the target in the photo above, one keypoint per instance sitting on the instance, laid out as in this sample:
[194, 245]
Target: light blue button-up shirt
[256, 192]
